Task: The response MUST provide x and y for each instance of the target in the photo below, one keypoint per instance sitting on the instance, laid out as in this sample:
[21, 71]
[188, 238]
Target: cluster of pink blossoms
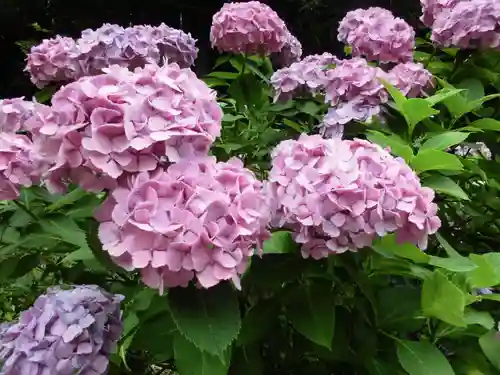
[338, 195]
[19, 165]
[291, 51]
[63, 59]
[306, 76]
[14, 113]
[355, 92]
[411, 78]
[464, 24]
[249, 28]
[196, 219]
[377, 35]
[123, 122]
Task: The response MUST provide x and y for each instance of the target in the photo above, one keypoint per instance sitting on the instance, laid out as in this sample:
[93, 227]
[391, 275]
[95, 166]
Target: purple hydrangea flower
[250, 27]
[431, 9]
[411, 78]
[338, 195]
[196, 219]
[468, 24]
[54, 60]
[306, 76]
[64, 60]
[20, 165]
[65, 332]
[291, 51]
[354, 91]
[14, 113]
[377, 35]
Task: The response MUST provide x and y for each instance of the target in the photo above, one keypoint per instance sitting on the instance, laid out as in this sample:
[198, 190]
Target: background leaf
[422, 358]
[209, 318]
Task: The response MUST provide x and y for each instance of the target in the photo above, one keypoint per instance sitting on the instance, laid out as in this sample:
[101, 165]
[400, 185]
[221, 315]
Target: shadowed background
[314, 22]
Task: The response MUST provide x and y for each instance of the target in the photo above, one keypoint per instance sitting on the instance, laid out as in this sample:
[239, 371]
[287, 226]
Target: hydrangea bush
[284, 214]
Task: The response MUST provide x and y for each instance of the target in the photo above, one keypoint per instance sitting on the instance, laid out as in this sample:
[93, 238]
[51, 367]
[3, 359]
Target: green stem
[392, 337]
[25, 209]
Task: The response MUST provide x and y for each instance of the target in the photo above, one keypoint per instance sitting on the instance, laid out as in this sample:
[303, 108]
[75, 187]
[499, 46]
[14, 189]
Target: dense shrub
[285, 214]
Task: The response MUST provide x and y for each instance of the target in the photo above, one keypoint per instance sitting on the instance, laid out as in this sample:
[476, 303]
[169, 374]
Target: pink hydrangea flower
[354, 90]
[250, 27]
[338, 195]
[431, 9]
[377, 35]
[126, 122]
[196, 219]
[306, 76]
[19, 165]
[54, 60]
[291, 51]
[411, 78]
[14, 113]
[468, 24]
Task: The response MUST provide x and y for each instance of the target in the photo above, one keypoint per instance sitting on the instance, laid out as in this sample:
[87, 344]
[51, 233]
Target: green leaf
[224, 75]
[44, 95]
[447, 247]
[442, 95]
[445, 185]
[293, 125]
[214, 82]
[397, 145]
[487, 273]
[428, 160]
[387, 245]
[482, 318]
[258, 322]
[231, 118]
[474, 89]
[444, 140]
[280, 242]
[130, 325]
[454, 264]
[416, 110]
[422, 358]
[486, 124]
[490, 344]
[81, 254]
[190, 360]
[66, 229]
[209, 318]
[311, 311]
[310, 108]
[397, 309]
[67, 199]
[443, 300]
[396, 94]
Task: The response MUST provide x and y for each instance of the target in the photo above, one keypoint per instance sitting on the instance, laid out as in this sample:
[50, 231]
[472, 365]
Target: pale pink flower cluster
[354, 91]
[19, 165]
[411, 78]
[250, 28]
[307, 76]
[122, 122]
[338, 195]
[62, 59]
[432, 8]
[468, 24]
[54, 60]
[197, 219]
[377, 35]
[291, 51]
[14, 113]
